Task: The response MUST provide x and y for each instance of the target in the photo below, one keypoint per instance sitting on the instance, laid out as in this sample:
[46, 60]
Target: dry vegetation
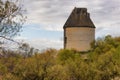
[102, 63]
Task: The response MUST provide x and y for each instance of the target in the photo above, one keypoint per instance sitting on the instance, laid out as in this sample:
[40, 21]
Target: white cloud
[45, 43]
[39, 43]
[20, 38]
[52, 14]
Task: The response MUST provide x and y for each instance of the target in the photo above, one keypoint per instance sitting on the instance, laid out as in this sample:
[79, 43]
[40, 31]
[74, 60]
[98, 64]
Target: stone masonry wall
[79, 38]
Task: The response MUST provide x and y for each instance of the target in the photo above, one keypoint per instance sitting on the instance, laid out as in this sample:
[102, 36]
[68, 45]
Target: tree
[26, 50]
[11, 21]
[11, 18]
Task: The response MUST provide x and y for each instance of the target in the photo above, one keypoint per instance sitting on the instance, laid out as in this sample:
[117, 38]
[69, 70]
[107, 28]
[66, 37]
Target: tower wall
[79, 30]
[78, 38]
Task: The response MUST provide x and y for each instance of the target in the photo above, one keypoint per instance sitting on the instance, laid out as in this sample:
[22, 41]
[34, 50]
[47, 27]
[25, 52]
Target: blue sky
[30, 32]
[45, 19]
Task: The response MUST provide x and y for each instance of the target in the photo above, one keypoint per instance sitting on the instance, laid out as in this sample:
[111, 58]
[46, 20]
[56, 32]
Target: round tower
[79, 30]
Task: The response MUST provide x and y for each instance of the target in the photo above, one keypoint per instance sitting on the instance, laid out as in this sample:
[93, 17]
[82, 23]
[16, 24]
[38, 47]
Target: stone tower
[79, 30]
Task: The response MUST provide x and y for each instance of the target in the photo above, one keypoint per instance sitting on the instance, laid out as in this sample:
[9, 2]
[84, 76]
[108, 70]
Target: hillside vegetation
[102, 62]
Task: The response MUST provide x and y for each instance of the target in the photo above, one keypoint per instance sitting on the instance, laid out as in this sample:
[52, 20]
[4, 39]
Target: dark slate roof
[79, 18]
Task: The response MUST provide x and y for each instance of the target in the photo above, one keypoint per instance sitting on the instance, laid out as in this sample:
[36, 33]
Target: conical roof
[79, 18]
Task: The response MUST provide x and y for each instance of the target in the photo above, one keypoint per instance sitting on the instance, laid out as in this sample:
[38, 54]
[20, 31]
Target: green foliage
[64, 55]
[101, 63]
